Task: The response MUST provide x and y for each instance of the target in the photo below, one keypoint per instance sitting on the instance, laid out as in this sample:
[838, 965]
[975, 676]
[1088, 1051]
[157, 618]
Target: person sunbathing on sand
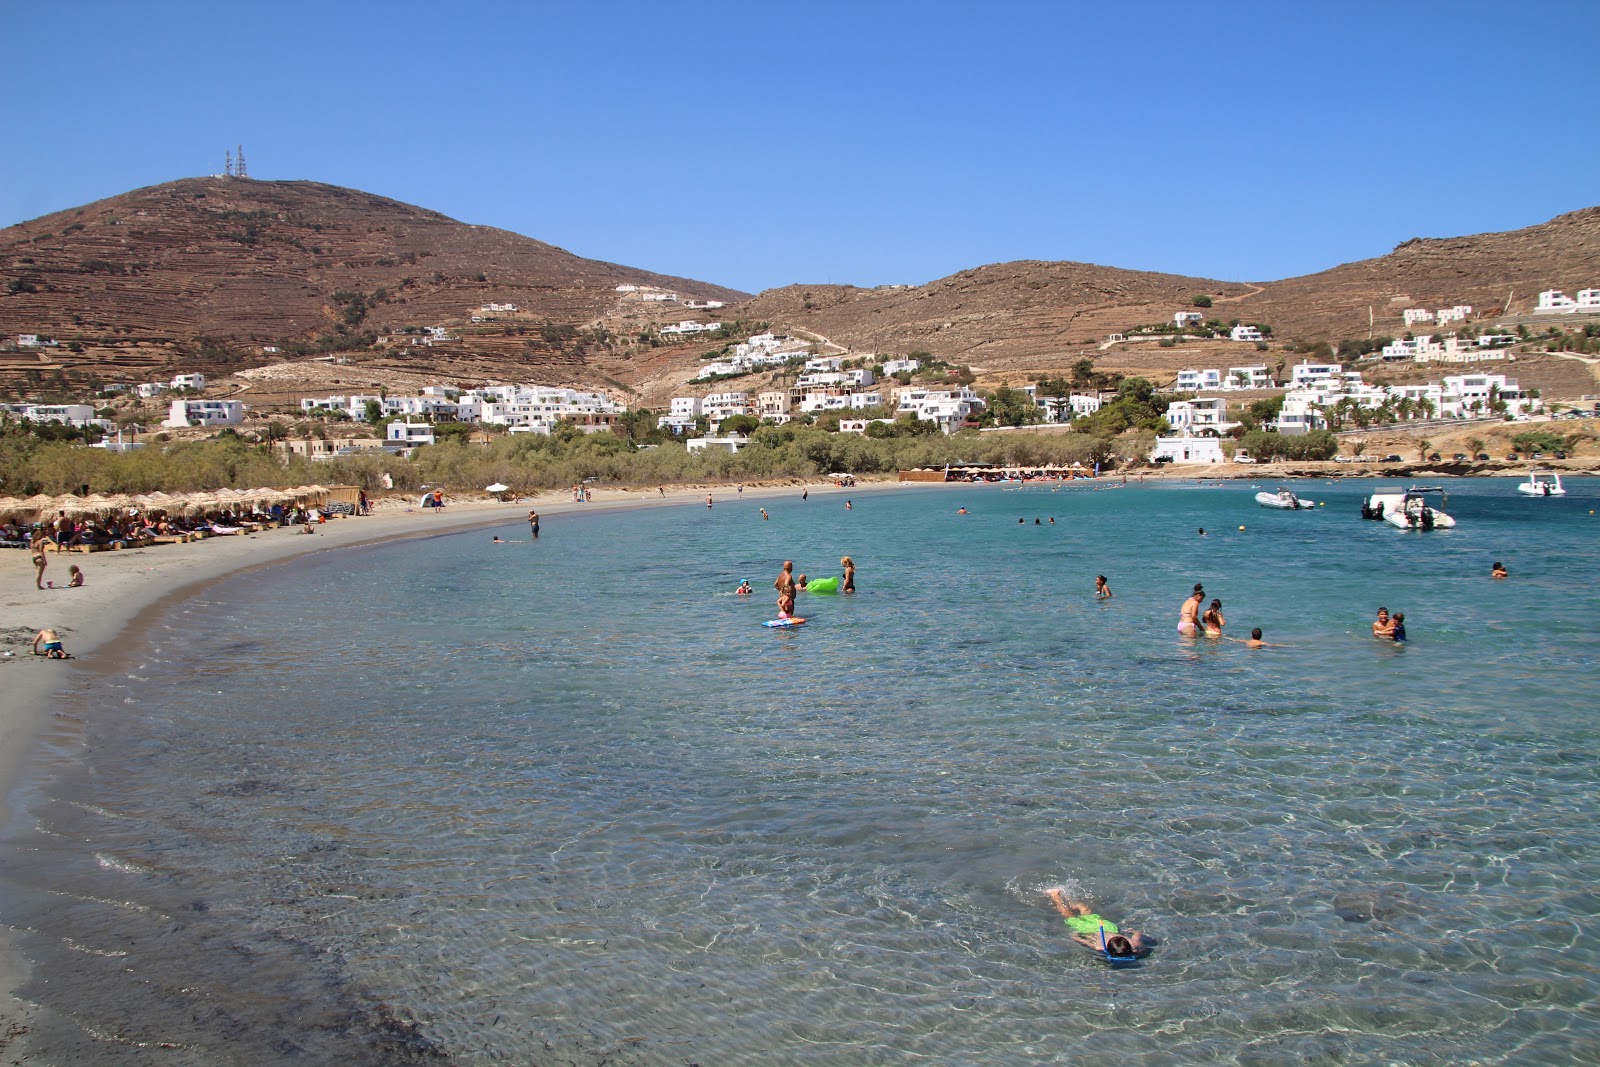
[1086, 928]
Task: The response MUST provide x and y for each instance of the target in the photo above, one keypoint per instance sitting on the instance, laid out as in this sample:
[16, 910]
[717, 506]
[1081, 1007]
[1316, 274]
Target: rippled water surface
[567, 802]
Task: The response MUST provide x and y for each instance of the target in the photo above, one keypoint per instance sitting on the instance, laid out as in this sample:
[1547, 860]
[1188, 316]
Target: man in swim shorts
[785, 587]
[1086, 926]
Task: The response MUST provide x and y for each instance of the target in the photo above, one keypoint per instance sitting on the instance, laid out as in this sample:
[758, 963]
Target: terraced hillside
[1010, 316]
[208, 273]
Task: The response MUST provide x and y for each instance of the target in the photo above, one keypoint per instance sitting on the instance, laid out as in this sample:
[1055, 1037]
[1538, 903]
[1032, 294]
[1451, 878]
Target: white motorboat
[1283, 500]
[1542, 483]
[1408, 509]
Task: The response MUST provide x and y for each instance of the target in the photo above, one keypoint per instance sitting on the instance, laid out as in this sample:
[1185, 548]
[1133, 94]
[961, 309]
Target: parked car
[1459, 457]
[1537, 455]
[1561, 455]
[1391, 458]
[1483, 457]
[1433, 457]
[1511, 456]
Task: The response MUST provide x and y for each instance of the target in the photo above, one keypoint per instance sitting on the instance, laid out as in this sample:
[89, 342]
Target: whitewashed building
[1245, 333]
[1207, 414]
[719, 406]
[1258, 376]
[950, 408]
[203, 413]
[1305, 374]
[77, 415]
[1555, 302]
[410, 434]
[1194, 381]
[1416, 315]
[1188, 318]
[1188, 450]
[189, 381]
[732, 442]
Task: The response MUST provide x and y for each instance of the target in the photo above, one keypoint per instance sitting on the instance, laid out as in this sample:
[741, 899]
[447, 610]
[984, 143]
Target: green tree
[1202, 301]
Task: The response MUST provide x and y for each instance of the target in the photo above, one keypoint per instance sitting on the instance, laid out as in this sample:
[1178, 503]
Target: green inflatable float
[823, 585]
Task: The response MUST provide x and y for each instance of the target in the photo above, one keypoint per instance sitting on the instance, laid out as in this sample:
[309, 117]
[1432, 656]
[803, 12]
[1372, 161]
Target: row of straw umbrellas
[100, 504]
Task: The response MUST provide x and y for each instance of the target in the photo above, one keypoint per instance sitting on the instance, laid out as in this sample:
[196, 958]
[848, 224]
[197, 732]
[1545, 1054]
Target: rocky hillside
[212, 274]
[1028, 315]
[207, 273]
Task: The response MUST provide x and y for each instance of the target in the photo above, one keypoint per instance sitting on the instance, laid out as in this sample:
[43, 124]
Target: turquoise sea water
[568, 802]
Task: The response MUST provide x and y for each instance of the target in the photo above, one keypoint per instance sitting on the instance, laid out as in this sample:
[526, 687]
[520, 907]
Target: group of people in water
[788, 585]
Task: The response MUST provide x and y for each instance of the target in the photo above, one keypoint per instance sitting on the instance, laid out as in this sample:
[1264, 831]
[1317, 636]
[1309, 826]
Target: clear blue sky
[758, 144]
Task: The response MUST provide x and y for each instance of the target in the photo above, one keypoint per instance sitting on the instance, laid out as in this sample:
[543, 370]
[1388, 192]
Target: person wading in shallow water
[784, 584]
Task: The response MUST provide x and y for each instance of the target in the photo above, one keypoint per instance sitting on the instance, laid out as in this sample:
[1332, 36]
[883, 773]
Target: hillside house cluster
[1318, 386]
[1454, 313]
[651, 294]
[824, 388]
[519, 408]
[1451, 349]
[1555, 302]
[77, 416]
[687, 328]
[754, 353]
[1209, 379]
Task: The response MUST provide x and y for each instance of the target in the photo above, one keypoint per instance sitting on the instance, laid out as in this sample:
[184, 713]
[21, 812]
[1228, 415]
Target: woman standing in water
[849, 583]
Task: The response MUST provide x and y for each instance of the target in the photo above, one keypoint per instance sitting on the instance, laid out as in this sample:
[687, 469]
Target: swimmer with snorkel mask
[1101, 936]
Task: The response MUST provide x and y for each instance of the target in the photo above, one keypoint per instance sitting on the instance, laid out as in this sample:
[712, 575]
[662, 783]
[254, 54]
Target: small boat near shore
[1542, 483]
[1283, 500]
[1408, 509]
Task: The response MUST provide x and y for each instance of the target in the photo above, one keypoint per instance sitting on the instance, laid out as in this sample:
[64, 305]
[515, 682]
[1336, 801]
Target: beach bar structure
[990, 472]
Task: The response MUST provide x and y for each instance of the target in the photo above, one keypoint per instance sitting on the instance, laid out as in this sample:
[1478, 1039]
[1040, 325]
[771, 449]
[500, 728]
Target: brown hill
[1013, 317]
[1481, 271]
[204, 273]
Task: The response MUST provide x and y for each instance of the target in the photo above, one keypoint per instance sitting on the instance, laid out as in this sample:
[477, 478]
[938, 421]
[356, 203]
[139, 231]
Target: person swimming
[1087, 929]
[1102, 591]
[1398, 629]
[744, 588]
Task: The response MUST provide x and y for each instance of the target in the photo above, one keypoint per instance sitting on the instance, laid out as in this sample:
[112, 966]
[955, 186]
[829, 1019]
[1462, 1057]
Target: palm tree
[1424, 446]
[1358, 449]
[1475, 445]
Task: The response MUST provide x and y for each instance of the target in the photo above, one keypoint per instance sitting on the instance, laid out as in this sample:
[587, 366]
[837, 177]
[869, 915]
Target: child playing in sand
[52, 645]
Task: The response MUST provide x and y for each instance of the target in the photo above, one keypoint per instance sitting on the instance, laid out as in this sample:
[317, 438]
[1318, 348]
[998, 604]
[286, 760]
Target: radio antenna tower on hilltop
[240, 171]
[227, 166]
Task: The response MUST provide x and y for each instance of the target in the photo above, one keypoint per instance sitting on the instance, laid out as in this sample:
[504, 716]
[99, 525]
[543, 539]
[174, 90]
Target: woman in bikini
[39, 561]
[1189, 614]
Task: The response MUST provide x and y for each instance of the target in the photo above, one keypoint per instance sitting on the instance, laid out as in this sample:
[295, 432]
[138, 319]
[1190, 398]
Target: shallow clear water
[567, 802]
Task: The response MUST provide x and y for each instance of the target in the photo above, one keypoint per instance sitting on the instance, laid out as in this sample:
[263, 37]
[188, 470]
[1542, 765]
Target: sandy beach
[121, 585]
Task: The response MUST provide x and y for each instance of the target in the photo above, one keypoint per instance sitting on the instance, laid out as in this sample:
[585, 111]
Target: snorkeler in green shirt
[1086, 926]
